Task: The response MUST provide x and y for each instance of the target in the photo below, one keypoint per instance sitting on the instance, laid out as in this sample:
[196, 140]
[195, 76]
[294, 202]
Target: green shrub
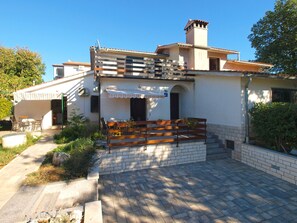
[78, 127]
[98, 135]
[275, 125]
[5, 107]
[81, 151]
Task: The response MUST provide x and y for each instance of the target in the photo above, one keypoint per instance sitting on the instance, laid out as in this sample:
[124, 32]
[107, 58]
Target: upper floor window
[59, 71]
[214, 64]
[284, 95]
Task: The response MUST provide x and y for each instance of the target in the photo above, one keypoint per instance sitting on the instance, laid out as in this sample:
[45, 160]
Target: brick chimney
[196, 32]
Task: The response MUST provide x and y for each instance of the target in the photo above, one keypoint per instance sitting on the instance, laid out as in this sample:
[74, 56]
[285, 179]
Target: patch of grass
[81, 152]
[46, 173]
[6, 155]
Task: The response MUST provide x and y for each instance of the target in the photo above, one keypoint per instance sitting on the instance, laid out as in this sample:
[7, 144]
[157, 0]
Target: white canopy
[135, 93]
[19, 96]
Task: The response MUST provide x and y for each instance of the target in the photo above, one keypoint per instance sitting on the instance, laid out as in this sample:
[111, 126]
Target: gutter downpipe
[99, 86]
[99, 101]
[62, 102]
[247, 118]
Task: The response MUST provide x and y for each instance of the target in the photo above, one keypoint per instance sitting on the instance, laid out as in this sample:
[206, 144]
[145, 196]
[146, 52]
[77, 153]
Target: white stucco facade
[41, 109]
[218, 99]
[156, 108]
[260, 89]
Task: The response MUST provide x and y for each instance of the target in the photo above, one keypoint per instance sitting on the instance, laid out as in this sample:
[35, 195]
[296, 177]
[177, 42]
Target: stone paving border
[93, 212]
[213, 191]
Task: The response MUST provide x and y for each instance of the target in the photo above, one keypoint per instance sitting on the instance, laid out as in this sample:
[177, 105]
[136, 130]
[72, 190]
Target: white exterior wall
[218, 99]
[197, 36]
[37, 110]
[190, 36]
[191, 60]
[260, 89]
[81, 105]
[70, 70]
[174, 53]
[157, 108]
[184, 56]
[201, 36]
[201, 59]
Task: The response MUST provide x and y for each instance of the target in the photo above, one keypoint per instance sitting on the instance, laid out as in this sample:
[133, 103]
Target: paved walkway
[212, 191]
[12, 175]
[21, 203]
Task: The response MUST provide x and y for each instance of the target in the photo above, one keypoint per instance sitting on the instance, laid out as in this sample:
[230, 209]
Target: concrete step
[218, 156]
[211, 140]
[215, 150]
[212, 145]
[211, 136]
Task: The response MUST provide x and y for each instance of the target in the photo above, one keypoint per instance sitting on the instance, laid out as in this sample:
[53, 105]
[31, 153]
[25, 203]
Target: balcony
[111, 65]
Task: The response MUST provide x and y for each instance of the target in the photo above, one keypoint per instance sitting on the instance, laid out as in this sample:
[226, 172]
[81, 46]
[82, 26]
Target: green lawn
[6, 155]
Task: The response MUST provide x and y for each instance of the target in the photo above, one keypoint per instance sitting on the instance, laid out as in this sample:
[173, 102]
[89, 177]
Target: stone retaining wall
[136, 158]
[277, 164]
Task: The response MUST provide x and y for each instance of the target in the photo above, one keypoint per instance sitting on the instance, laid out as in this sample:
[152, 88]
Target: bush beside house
[275, 125]
[77, 127]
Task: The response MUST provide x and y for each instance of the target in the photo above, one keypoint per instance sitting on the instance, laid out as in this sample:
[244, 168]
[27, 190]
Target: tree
[19, 68]
[5, 108]
[275, 37]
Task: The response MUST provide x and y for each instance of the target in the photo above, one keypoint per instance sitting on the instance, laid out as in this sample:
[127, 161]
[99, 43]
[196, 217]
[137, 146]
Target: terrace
[134, 64]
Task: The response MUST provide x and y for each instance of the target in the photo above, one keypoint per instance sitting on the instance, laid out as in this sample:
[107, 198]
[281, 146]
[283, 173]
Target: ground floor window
[284, 95]
[94, 103]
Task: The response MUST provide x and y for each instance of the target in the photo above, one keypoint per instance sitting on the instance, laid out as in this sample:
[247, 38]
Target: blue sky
[62, 30]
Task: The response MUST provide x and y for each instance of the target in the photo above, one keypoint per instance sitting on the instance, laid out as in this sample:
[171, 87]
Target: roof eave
[248, 74]
[250, 63]
[132, 53]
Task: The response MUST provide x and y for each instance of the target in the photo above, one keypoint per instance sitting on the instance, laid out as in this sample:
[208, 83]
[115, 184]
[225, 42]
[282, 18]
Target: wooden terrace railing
[139, 133]
[123, 66]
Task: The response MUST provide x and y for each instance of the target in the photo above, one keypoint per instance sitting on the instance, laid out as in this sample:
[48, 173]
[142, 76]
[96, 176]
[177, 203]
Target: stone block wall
[151, 156]
[225, 132]
[277, 164]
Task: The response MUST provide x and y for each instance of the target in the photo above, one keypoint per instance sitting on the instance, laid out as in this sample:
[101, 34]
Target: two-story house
[178, 80]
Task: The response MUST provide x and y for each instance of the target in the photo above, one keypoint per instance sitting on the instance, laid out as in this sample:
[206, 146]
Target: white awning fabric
[136, 93]
[19, 96]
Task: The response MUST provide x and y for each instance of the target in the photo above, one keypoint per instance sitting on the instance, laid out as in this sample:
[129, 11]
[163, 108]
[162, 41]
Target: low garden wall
[277, 164]
[145, 157]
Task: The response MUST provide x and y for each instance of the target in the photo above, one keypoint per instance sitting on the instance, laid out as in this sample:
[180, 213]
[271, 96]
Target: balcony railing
[144, 67]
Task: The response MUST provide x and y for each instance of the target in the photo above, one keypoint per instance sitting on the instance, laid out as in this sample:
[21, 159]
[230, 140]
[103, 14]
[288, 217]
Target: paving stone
[266, 216]
[212, 191]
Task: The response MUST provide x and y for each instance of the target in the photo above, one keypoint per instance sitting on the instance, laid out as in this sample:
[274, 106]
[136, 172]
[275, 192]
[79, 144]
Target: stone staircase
[215, 149]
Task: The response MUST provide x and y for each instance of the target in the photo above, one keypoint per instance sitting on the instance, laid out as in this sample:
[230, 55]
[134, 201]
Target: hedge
[275, 125]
